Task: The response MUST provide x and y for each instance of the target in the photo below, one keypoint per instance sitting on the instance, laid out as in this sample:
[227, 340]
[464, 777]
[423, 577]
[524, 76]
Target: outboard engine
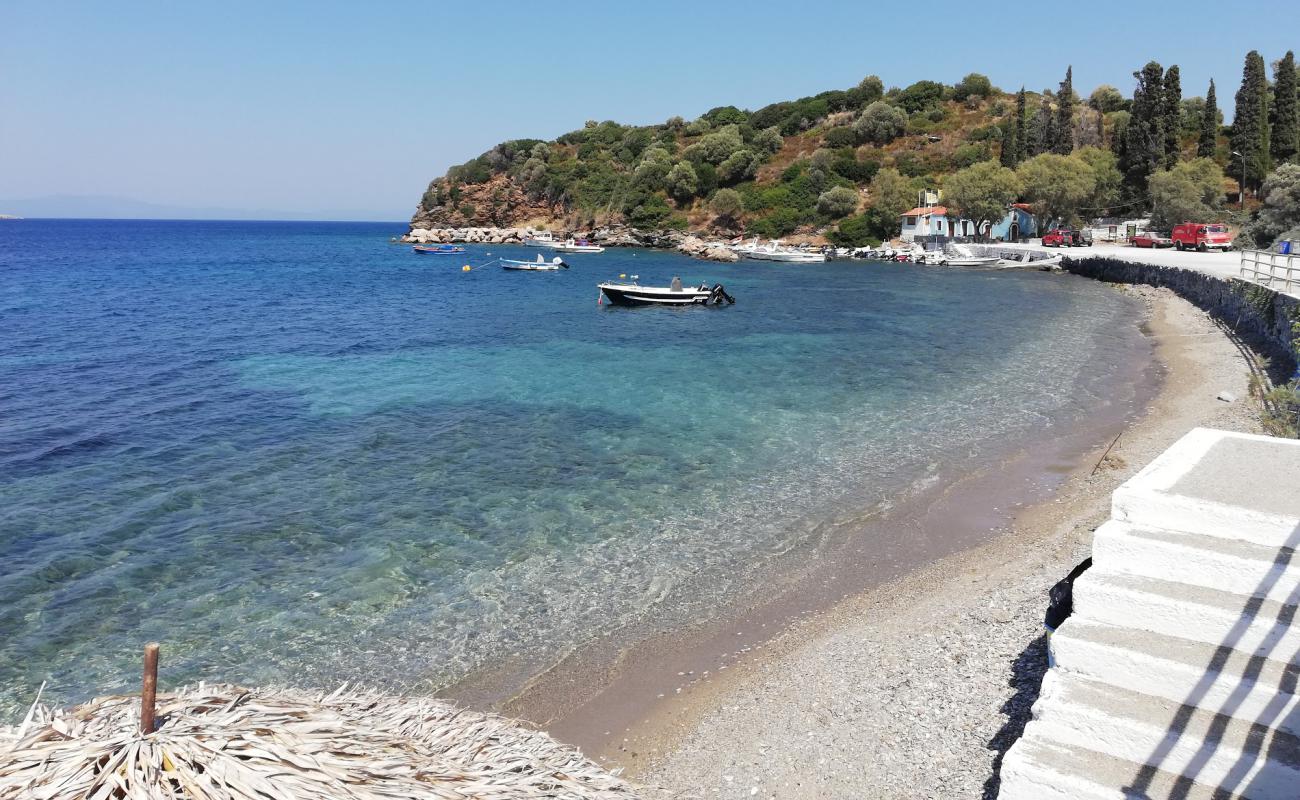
[719, 294]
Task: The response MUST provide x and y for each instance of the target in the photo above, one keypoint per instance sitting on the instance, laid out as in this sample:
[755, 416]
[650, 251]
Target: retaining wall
[1263, 318]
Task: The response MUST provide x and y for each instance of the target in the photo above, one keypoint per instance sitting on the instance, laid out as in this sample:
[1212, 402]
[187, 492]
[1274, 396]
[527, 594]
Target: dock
[1176, 675]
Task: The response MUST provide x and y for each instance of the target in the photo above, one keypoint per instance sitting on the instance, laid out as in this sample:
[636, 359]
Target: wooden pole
[150, 693]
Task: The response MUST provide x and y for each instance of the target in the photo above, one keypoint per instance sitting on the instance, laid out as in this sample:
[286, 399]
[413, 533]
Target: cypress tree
[1145, 138]
[1063, 127]
[1173, 100]
[1209, 141]
[1010, 148]
[1250, 122]
[1285, 137]
[1022, 136]
[1041, 134]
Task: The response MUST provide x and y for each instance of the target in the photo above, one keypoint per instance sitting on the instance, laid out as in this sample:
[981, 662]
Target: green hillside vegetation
[844, 164]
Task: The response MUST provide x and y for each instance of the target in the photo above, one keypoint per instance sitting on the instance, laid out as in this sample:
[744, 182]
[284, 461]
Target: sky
[346, 110]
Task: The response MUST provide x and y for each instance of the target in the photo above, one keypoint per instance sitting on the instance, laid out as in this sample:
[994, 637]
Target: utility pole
[1241, 186]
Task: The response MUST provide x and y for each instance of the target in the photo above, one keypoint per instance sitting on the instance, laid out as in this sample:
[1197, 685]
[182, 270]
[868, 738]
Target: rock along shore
[610, 236]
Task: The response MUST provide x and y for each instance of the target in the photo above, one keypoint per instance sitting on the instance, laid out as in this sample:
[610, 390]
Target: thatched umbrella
[217, 742]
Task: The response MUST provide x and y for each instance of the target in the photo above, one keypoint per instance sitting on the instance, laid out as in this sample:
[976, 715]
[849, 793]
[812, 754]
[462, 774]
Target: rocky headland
[606, 236]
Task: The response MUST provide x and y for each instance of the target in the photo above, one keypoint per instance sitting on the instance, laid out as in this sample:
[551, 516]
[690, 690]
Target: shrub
[858, 231]
[739, 166]
[920, 96]
[1106, 98]
[651, 213]
[973, 85]
[698, 127]
[842, 136]
[716, 147]
[1190, 192]
[725, 115]
[868, 91]
[880, 123]
[780, 222]
[839, 201]
[910, 165]
[1280, 212]
[968, 154]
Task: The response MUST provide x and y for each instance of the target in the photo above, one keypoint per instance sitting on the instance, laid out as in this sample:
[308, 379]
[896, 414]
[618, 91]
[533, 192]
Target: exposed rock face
[696, 247]
[481, 205]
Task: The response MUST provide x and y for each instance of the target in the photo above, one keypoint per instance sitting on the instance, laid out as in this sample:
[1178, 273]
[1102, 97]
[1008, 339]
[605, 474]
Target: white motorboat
[579, 246]
[634, 294]
[540, 265]
[960, 256]
[773, 251]
[541, 239]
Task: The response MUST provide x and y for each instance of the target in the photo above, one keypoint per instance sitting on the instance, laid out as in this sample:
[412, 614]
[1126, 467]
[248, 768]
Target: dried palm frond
[223, 742]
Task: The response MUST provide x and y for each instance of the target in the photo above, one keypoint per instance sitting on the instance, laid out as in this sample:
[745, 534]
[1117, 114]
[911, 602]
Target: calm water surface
[295, 453]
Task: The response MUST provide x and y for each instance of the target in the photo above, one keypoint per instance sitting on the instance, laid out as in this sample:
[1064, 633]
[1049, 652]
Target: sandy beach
[916, 688]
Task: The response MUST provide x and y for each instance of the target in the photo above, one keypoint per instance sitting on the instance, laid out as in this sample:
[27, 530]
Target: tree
[870, 90]
[716, 147]
[727, 205]
[920, 96]
[890, 193]
[838, 201]
[1285, 138]
[982, 192]
[1105, 174]
[1208, 143]
[1279, 214]
[1056, 185]
[1063, 128]
[973, 85]
[682, 182]
[739, 166]
[1144, 145]
[1010, 148]
[1172, 98]
[1022, 137]
[1041, 135]
[1191, 191]
[1250, 122]
[653, 170]
[880, 123]
[769, 140]
[1106, 98]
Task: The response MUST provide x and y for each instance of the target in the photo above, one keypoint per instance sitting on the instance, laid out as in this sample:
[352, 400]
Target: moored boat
[541, 239]
[634, 294]
[579, 246]
[773, 251]
[438, 250]
[540, 265]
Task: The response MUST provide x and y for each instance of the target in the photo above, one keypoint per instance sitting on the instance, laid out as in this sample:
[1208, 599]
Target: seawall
[1261, 317]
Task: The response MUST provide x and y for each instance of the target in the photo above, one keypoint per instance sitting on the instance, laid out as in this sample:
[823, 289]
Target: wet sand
[914, 687]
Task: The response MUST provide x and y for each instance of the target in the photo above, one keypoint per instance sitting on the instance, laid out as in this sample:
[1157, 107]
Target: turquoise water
[295, 453]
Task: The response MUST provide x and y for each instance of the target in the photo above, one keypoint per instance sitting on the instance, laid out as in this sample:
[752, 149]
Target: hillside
[841, 165]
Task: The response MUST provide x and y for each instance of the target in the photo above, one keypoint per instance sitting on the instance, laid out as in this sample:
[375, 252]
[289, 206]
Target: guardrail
[1278, 271]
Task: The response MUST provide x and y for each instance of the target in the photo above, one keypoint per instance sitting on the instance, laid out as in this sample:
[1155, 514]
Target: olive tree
[982, 192]
[727, 205]
[769, 139]
[1057, 186]
[682, 182]
[1191, 191]
[880, 123]
[838, 201]
[1279, 215]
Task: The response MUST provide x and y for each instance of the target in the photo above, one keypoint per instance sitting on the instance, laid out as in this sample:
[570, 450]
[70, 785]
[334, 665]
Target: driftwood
[222, 742]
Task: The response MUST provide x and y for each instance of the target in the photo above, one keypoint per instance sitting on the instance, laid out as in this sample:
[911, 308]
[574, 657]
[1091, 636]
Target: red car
[1201, 236]
[1061, 237]
[1152, 239]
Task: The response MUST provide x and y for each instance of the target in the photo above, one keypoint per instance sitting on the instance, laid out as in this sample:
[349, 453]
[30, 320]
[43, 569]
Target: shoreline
[915, 687]
[598, 696]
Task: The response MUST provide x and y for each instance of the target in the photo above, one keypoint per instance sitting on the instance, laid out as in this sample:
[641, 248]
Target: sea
[299, 453]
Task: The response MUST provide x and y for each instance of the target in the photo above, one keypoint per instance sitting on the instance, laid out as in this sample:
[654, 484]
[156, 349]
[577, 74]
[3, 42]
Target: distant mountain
[73, 206]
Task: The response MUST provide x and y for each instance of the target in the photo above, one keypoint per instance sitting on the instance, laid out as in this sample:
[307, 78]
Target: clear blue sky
[349, 108]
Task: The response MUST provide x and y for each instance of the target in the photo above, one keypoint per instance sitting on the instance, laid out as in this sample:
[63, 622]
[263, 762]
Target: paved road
[1218, 264]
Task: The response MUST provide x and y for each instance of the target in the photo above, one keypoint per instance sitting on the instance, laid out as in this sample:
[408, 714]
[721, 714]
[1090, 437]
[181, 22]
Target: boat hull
[434, 251]
[629, 295]
[785, 258]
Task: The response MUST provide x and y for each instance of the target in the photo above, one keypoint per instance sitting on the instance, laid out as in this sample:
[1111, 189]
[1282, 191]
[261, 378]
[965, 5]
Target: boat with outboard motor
[438, 250]
[579, 246]
[634, 294]
[773, 251]
[540, 265]
[541, 239]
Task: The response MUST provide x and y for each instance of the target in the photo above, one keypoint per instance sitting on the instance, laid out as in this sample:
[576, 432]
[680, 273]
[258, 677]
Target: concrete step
[1231, 565]
[1216, 678]
[1209, 483]
[1217, 751]
[1249, 624]
[1036, 770]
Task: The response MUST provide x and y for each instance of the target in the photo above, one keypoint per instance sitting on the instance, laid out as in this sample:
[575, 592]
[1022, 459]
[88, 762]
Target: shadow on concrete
[1027, 672]
[1263, 739]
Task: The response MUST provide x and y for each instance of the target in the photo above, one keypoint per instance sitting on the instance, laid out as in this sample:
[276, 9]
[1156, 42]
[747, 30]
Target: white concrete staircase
[1178, 674]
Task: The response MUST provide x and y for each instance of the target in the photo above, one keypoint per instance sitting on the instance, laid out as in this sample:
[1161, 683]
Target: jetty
[1176, 674]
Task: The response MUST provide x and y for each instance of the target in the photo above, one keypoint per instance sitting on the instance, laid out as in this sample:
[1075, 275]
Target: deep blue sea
[298, 453]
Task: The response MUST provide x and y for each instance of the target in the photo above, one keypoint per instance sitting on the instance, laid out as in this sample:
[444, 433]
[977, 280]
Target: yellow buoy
[622, 274]
[465, 268]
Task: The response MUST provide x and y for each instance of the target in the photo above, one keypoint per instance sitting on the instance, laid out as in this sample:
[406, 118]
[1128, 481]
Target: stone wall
[1261, 317]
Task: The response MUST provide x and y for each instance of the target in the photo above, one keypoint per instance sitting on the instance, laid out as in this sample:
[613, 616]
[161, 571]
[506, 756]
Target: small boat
[540, 265]
[634, 294]
[438, 250]
[579, 246]
[541, 239]
[773, 251]
[961, 256]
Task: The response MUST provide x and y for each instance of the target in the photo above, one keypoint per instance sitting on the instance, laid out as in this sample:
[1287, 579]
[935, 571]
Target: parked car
[1152, 239]
[1059, 237]
[1201, 236]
